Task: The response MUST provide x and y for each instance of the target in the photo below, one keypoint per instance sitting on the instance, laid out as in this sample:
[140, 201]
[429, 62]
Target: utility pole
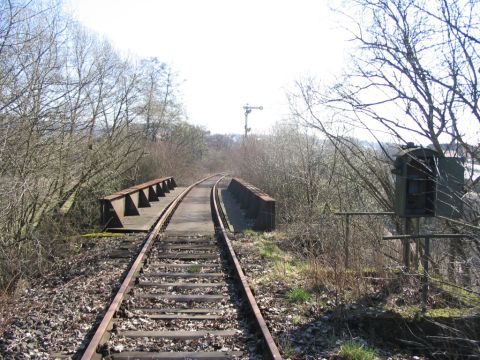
[248, 109]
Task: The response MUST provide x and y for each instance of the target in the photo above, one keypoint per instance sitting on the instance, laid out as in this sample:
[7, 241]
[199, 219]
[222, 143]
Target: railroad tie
[179, 285]
[184, 275]
[197, 247]
[176, 310]
[182, 298]
[178, 289]
[187, 256]
[188, 266]
[181, 317]
[177, 355]
[178, 334]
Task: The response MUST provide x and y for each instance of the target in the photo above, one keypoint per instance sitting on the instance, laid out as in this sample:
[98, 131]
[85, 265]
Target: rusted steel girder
[115, 207]
[257, 204]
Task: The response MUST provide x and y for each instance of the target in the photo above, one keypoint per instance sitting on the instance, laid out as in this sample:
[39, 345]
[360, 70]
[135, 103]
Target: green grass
[195, 268]
[448, 312]
[467, 298]
[263, 242]
[102, 234]
[284, 268]
[355, 351]
[268, 251]
[249, 232]
[287, 349]
[298, 295]
[289, 352]
[296, 320]
[407, 312]
[369, 271]
[414, 312]
[281, 264]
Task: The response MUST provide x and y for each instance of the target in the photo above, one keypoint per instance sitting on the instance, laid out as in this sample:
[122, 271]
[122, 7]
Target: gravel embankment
[147, 301]
[302, 330]
[56, 314]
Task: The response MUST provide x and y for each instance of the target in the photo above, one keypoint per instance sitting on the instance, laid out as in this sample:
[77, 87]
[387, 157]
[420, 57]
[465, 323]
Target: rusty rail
[271, 349]
[257, 204]
[115, 207]
[104, 326]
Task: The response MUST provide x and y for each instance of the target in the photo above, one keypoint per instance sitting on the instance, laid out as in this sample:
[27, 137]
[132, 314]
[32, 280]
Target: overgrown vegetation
[77, 121]
[380, 307]
[102, 234]
[320, 165]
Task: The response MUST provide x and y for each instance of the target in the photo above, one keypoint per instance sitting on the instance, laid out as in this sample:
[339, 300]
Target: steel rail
[271, 347]
[104, 325]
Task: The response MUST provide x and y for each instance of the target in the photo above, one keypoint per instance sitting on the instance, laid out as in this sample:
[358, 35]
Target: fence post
[426, 256]
[406, 244]
[416, 258]
[347, 241]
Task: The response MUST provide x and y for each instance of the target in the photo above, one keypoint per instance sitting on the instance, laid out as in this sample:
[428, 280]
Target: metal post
[347, 241]
[406, 244]
[248, 109]
[426, 255]
[416, 231]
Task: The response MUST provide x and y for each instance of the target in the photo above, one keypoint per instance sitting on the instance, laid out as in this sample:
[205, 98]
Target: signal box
[427, 185]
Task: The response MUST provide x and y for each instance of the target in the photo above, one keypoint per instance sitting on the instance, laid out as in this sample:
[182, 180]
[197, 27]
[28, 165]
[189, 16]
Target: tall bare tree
[413, 76]
[70, 122]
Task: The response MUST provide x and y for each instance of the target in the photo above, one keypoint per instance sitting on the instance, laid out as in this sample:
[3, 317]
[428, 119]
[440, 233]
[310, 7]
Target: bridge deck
[148, 215]
[194, 215]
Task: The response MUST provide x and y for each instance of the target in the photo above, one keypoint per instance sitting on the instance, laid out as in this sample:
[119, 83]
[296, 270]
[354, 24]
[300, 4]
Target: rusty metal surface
[136, 188]
[238, 183]
[271, 347]
[90, 351]
[258, 205]
[147, 216]
[117, 209]
[220, 355]
[176, 334]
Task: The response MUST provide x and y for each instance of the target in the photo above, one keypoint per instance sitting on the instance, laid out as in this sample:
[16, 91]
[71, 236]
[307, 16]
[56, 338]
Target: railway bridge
[185, 295]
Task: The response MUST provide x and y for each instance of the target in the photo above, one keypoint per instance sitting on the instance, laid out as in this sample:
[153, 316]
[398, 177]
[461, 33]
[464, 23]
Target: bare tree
[414, 71]
[69, 123]
[158, 106]
[412, 76]
[178, 151]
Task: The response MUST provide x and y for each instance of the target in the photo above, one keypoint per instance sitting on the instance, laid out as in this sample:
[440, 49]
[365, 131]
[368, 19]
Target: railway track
[185, 296]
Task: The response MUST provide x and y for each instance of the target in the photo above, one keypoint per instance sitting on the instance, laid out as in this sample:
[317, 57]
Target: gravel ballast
[55, 316]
